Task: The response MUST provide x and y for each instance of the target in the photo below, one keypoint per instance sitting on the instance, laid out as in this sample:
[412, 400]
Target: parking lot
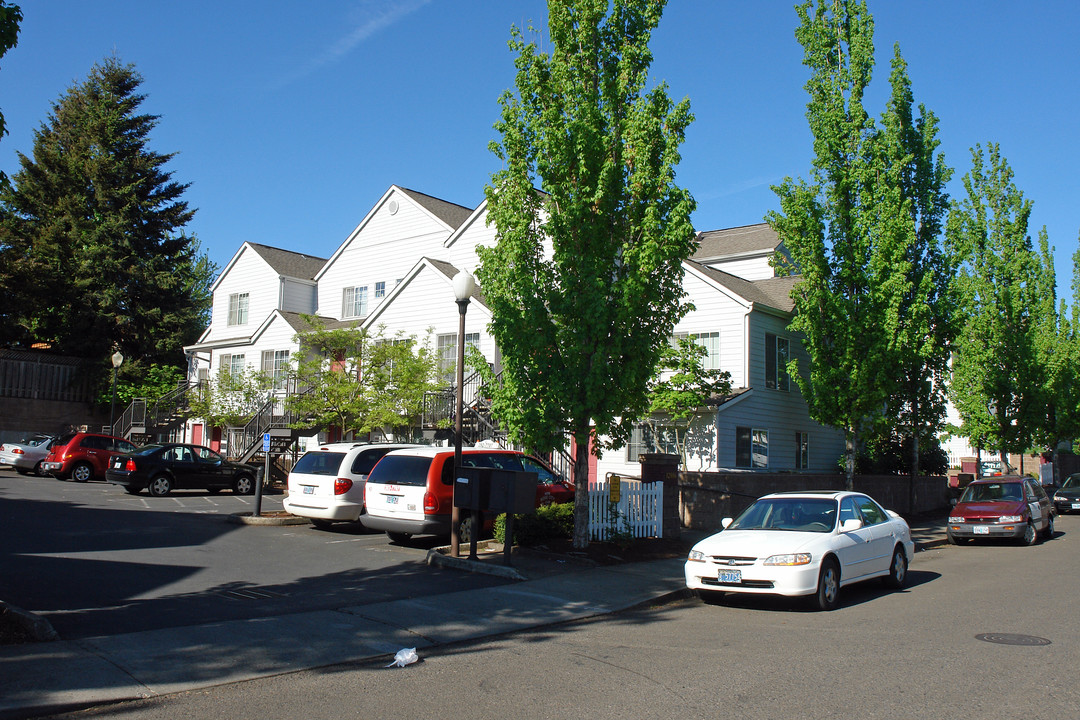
[93, 559]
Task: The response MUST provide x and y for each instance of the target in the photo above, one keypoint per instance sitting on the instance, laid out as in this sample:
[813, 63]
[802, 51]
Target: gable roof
[450, 213]
[439, 266]
[772, 293]
[289, 263]
[746, 240]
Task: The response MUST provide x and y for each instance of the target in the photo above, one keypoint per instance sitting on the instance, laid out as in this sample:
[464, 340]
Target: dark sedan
[167, 467]
[1067, 498]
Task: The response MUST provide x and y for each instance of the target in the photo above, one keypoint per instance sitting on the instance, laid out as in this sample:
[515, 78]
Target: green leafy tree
[92, 233]
[829, 225]
[231, 399]
[914, 270]
[680, 389]
[585, 280]
[997, 382]
[1058, 353]
[10, 17]
[359, 381]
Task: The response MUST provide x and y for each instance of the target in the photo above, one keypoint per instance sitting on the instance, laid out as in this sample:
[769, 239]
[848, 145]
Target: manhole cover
[1010, 639]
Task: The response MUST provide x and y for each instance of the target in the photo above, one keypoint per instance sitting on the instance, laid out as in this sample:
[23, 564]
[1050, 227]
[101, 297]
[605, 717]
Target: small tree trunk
[581, 494]
[849, 459]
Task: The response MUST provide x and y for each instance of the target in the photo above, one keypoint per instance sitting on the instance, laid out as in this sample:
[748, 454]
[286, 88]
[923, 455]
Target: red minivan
[83, 456]
[411, 492]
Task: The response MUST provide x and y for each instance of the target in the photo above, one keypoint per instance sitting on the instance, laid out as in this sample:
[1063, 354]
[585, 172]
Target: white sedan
[802, 543]
[26, 456]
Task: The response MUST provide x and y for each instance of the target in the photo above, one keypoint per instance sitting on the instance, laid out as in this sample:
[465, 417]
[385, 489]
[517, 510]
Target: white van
[327, 484]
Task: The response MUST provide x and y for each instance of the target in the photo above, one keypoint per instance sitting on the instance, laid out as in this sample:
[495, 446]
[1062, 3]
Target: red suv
[83, 456]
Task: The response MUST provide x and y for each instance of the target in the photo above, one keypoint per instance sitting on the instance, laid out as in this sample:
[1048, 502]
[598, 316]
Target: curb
[441, 556]
[247, 518]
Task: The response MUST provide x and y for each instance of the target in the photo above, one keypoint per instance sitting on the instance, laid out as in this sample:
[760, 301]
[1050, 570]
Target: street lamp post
[464, 284]
[117, 361]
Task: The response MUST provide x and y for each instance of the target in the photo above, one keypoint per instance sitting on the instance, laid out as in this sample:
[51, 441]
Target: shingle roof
[289, 263]
[450, 213]
[736, 241]
[771, 292]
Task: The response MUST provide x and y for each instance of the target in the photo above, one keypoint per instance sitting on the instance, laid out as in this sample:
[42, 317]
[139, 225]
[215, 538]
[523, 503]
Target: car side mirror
[725, 522]
[851, 524]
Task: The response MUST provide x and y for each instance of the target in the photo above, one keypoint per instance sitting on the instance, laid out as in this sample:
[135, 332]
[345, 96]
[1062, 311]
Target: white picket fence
[638, 512]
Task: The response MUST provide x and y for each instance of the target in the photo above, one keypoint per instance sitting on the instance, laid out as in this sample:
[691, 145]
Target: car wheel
[1048, 531]
[828, 589]
[897, 569]
[321, 524]
[40, 471]
[1030, 535]
[159, 486]
[398, 537]
[465, 529]
[82, 472]
[22, 471]
[244, 485]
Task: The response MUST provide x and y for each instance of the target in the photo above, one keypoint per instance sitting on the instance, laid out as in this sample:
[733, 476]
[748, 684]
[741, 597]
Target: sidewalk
[52, 677]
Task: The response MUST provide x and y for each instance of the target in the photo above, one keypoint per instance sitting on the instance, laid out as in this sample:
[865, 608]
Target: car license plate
[391, 499]
[1076, 506]
[309, 489]
[980, 530]
[730, 576]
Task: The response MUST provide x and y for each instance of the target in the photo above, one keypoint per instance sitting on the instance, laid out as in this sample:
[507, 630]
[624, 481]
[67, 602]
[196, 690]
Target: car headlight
[790, 559]
[956, 519]
[696, 556]
[1012, 518]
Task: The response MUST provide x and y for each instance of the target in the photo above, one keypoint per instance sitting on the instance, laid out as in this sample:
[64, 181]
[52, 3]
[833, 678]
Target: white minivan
[327, 483]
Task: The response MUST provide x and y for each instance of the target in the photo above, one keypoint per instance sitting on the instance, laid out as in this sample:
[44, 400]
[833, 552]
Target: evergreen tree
[997, 382]
[92, 233]
[10, 17]
[585, 281]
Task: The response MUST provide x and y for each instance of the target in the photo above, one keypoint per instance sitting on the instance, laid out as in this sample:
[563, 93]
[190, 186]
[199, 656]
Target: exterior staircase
[270, 427]
[144, 420]
[477, 422]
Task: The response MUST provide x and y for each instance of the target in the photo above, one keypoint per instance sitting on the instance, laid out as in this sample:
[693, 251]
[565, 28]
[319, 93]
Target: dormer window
[354, 302]
[238, 309]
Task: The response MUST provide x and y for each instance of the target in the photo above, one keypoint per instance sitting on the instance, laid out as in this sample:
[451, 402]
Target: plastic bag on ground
[404, 656]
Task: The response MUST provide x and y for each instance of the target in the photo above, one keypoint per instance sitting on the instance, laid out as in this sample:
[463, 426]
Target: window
[710, 341]
[776, 359]
[354, 302]
[751, 447]
[238, 309]
[232, 364]
[872, 514]
[446, 347]
[380, 289]
[802, 451]
[275, 363]
[649, 438]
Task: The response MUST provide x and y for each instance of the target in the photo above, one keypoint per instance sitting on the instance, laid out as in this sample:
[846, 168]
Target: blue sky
[292, 119]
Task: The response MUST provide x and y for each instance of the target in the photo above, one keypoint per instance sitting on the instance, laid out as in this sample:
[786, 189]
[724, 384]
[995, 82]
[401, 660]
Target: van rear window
[401, 470]
[319, 463]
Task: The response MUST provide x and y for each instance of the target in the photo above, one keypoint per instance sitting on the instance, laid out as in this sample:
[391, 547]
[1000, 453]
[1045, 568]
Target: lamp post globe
[464, 284]
[117, 359]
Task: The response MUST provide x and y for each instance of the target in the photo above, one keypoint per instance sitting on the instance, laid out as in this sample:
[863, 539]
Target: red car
[83, 456]
[1002, 507]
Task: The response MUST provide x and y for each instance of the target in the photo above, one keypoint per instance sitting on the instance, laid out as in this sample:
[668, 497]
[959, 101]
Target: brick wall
[707, 498]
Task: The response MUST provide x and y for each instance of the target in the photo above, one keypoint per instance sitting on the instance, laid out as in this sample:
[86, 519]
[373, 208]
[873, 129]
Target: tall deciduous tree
[914, 278]
[829, 225]
[997, 382]
[584, 283]
[92, 232]
[359, 381]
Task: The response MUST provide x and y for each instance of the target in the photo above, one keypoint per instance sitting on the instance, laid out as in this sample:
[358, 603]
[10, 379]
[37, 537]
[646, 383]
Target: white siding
[252, 275]
[751, 268]
[715, 311]
[384, 250]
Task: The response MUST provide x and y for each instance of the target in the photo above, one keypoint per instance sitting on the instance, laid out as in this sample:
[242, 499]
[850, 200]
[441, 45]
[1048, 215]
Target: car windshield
[797, 514]
[990, 492]
[146, 450]
[319, 463]
[1073, 481]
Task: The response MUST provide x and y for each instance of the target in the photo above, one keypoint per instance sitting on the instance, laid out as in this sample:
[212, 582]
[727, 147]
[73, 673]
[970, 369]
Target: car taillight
[15, 451]
[342, 486]
[130, 465]
[431, 503]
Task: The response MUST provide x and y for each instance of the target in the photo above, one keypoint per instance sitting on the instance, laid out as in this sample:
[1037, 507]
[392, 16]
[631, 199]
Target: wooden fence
[628, 508]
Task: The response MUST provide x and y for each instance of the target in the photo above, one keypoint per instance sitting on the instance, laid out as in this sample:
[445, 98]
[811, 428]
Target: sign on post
[266, 442]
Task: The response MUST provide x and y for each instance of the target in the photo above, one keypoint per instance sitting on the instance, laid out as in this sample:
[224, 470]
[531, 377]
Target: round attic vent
[393, 207]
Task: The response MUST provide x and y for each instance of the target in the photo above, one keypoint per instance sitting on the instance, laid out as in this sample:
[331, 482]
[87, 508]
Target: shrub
[550, 522]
